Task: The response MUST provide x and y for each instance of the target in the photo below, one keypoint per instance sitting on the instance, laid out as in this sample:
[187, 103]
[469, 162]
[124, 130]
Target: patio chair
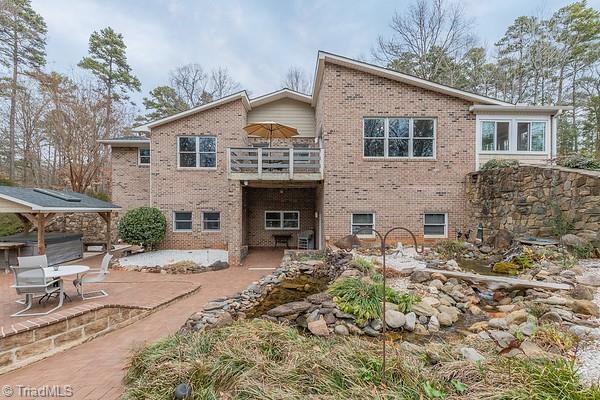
[33, 261]
[305, 239]
[94, 276]
[32, 281]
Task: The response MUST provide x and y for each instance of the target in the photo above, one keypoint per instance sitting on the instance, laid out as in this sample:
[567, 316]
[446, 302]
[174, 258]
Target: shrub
[362, 297]
[99, 195]
[450, 248]
[145, 226]
[504, 267]
[363, 265]
[10, 224]
[523, 261]
[497, 164]
[6, 182]
[560, 223]
[578, 161]
[585, 251]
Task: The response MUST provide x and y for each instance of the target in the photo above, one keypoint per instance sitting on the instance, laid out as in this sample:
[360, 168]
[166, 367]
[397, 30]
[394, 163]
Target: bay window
[399, 137]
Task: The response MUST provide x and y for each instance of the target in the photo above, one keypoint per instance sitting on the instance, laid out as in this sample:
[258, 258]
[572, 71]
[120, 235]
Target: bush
[99, 196]
[362, 265]
[362, 297]
[7, 182]
[10, 224]
[145, 226]
[579, 162]
[450, 248]
[523, 261]
[497, 164]
[559, 222]
[507, 268]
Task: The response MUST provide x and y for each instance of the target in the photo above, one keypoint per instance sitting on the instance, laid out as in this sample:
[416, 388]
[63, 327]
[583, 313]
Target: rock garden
[461, 321]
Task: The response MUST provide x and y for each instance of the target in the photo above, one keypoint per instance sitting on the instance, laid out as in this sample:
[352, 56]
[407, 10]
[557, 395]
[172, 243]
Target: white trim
[445, 235]
[197, 152]
[513, 121]
[236, 96]
[175, 222]
[362, 235]
[278, 95]
[125, 143]
[394, 75]
[202, 221]
[281, 228]
[410, 138]
[140, 163]
[511, 108]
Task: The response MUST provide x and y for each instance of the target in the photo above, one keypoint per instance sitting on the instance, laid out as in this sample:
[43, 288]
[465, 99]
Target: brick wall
[259, 200]
[397, 191]
[130, 182]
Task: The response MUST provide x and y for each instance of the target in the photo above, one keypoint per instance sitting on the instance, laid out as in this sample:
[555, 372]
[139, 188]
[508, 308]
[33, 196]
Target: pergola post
[41, 226]
[107, 217]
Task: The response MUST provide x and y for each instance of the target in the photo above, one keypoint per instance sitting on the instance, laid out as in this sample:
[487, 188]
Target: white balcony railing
[256, 163]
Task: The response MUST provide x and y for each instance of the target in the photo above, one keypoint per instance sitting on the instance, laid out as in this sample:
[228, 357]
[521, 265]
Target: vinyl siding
[289, 112]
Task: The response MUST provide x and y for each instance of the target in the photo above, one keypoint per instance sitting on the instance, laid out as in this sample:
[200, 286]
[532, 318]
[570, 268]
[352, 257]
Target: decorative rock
[330, 318]
[479, 326]
[289, 308]
[502, 240]
[318, 327]
[507, 308]
[376, 324]
[573, 240]
[445, 319]
[498, 323]
[411, 320]
[586, 307]
[319, 298]
[424, 309]
[347, 242]
[436, 283]
[551, 317]
[527, 328]
[476, 310]
[343, 315]
[582, 292]
[532, 350]
[554, 300]
[394, 319]
[421, 330]
[471, 354]
[517, 317]
[370, 331]
[423, 319]
[452, 265]
[419, 276]
[439, 276]
[341, 330]
[434, 324]
[485, 249]
[502, 338]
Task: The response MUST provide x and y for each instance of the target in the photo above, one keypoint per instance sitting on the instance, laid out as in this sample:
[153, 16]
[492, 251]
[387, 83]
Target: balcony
[275, 164]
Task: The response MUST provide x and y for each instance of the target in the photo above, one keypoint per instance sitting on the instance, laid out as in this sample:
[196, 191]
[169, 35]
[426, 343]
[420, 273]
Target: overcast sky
[256, 40]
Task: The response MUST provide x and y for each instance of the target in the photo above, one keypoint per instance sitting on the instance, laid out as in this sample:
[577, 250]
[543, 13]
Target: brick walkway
[95, 369]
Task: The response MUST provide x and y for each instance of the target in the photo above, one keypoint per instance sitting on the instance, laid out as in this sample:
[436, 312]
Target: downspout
[150, 169]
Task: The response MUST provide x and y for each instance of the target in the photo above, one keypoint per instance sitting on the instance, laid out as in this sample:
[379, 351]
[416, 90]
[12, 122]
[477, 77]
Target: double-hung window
[362, 224]
[399, 137]
[182, 221]
[197, 151]
[435, 225]
[531, 136]
[495, 135]
[211, 221]
[282, 220]
[143, 156]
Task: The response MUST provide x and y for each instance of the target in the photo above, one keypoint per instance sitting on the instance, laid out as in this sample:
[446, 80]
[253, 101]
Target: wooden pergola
[36, 208]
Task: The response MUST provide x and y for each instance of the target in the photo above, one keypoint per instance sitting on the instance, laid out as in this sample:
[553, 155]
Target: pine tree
[108, 62]
[22, 51]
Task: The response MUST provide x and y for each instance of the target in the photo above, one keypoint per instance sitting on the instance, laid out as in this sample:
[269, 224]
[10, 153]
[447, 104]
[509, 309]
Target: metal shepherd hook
[383, 239]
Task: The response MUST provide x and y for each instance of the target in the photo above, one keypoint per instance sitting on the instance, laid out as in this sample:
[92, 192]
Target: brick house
[376, 149]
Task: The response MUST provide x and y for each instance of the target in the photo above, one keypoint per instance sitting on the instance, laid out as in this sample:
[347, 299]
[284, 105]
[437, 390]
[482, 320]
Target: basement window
[182, 221]
[362, 224]
[211, 221]
[435, 225]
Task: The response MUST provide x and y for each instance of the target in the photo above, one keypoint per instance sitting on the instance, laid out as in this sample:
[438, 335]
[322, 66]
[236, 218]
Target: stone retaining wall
[25, 347]
[520, 199]
[91, 225]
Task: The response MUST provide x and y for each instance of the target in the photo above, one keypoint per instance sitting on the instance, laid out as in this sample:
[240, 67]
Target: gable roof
[324, 57]
[284, 93]
[227, 99]
[54, 201]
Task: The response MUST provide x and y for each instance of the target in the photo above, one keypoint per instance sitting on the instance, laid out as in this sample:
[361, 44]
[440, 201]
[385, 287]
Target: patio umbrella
[270, 129]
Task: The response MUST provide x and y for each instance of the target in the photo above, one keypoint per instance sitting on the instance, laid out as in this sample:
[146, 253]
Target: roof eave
[280, 94]
[393, 75]
[125, 143]
[480, 108]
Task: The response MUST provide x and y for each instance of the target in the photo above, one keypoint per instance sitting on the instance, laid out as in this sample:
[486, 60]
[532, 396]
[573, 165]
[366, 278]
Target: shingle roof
[53, 200]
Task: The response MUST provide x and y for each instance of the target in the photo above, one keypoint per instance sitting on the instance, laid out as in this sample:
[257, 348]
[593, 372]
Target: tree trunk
[13, 110]
[574, 116]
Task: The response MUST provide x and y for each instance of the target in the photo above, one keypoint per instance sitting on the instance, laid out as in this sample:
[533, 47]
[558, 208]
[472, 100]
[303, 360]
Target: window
[282, 220]
[399, 137]
[435, 225]
[362, 224]
[211, 221]
[531, 136]
[144, 156]
[197, 151]
[495, 135]
[182, 221]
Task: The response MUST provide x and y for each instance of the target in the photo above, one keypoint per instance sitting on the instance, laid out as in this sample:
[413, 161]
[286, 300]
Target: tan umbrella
[270, 129]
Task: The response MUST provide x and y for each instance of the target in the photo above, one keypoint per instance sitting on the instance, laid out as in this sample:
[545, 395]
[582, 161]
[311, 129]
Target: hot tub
[60, 247]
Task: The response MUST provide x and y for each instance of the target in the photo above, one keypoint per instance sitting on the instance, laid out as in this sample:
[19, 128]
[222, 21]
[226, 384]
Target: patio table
[65, 270]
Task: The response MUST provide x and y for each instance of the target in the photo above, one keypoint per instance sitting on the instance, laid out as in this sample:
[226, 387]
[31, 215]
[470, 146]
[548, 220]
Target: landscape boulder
[295, 307]
[347, 242]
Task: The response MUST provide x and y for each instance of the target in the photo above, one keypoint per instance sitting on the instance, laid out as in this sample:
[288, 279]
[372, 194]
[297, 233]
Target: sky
[256, 40]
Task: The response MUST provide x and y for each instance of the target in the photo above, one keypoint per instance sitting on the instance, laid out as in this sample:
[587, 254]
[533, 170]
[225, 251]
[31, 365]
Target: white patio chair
[29, 262]
[32, 281]
[94, 276]
[305, 239]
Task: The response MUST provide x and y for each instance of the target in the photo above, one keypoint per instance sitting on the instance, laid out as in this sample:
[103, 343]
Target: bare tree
[296, 79]
[190, 83]
[222, 83]
[426, 36]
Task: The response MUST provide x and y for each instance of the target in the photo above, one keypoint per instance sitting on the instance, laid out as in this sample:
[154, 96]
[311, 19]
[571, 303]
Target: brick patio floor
[95, 369]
